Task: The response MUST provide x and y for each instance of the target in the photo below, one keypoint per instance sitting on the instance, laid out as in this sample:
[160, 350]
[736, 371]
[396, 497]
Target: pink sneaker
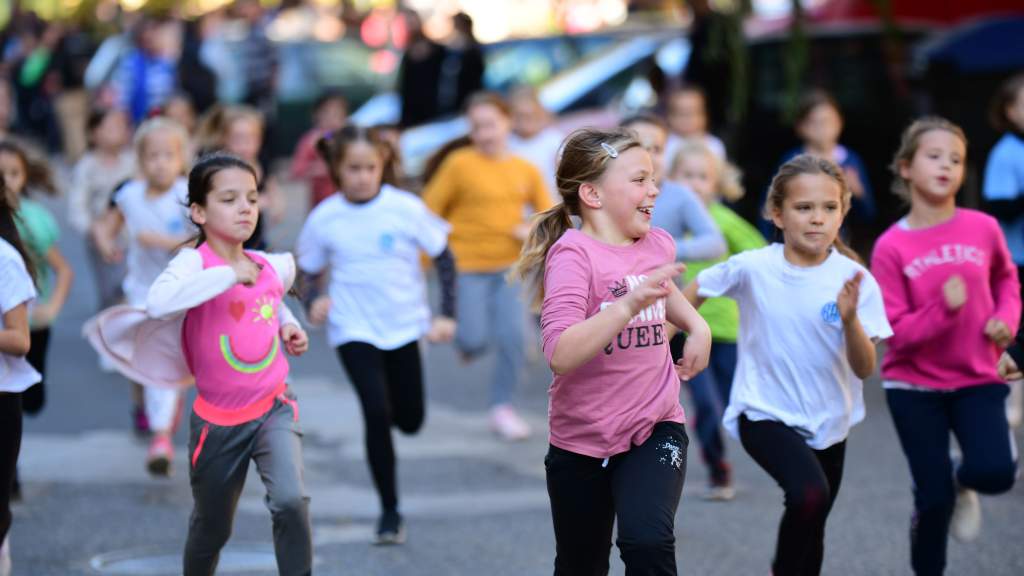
[507, 423]
[161, 452]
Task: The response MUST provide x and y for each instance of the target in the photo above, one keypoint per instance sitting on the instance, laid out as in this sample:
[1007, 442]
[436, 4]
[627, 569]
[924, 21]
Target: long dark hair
[37, 172]
[200, 179]
[9, 231]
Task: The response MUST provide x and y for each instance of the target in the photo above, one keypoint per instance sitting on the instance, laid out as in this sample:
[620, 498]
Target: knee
[292, 503]
[991, 478]
[810, 501]
[647, 546]
[935, 500]
[410, 424]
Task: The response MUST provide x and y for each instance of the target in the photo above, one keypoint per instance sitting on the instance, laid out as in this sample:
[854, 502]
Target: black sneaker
[390, 529]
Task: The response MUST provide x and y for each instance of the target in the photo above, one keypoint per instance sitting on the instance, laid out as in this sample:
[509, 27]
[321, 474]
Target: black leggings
[641, 488]
[10, 444]
[34, 398]
[390, 388]
[810, 480]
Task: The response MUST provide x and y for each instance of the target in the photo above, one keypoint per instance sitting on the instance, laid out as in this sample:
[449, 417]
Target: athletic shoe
[390, 529]
[5, 557]
[161, 452]
[966, 523]
[720, 493]
[508, 424]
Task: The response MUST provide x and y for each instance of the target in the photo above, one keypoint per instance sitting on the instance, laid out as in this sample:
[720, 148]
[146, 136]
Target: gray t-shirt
[680, 212]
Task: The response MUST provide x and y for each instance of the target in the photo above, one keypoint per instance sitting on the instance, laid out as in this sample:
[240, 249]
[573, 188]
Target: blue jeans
[490, 311]
[923, 419]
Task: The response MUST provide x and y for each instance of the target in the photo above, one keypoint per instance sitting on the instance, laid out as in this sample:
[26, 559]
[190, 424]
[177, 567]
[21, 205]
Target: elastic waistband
[236, 416]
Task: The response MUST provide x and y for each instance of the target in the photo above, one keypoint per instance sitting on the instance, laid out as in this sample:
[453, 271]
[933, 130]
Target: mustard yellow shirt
[485, 200]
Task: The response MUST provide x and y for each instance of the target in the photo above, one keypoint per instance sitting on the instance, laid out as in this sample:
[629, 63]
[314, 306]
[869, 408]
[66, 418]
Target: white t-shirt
[377, 291]
[16, 288]
[167, 215]
[792, 358]
[541, 150]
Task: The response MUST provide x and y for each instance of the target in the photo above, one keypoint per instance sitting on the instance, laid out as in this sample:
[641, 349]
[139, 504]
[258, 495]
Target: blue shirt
[680, 212]
[1004, 180]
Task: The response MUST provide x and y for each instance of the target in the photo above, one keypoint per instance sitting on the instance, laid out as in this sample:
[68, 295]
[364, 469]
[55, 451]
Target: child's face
[653, 138]
[627, 191]
[331, 115]
[699, 173]
[232, 206]
[1015, 111]
[821, 127]
[811, 215]
[15, 176]
[244, 138]
[161, 159]
[936, 171]
[361, 171]
[687, 116]
[113, 132]
[181, 112]
[488, 128]
[528, 118]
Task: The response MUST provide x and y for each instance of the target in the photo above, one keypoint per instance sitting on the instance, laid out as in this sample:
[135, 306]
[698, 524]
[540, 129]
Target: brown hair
[489, 98]
[808, 164]
[1007, 95]
[333, 146]
[584, 158]
[811, 100]
[214, 124]
[38, 175]
[434, 162]
[644, 118]
[729, 186]
[909, 143]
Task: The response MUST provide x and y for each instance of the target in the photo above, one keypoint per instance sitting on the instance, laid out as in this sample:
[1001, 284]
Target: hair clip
[610, 150]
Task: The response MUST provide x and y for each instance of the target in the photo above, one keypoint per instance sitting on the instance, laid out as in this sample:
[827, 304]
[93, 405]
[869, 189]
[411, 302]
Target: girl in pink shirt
[952, 296]
[618, 444]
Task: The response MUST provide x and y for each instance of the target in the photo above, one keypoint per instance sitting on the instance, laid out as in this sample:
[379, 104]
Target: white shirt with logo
[792, 364]
[16, 288]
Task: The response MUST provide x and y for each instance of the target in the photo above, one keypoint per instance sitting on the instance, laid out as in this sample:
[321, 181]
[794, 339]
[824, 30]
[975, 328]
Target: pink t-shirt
[613, 401]
[231, 342]
[932, 346]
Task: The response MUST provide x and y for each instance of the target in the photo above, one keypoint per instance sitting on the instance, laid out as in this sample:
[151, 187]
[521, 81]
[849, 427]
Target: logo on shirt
[830, 313]
[386, 241]
[618, 289]
[945, 254]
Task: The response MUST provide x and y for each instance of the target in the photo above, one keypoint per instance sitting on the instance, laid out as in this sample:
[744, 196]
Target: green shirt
[39, 231]
[722, 314]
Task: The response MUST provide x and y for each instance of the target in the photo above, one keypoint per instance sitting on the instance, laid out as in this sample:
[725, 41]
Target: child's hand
[246, 271]
[1008, 369]
[696, 352]
[43, 315]
[853, 182]
[998, 332]
[442, 329]
[319, 310]
[849, 296]
[955, 292]
[295, 340]
[654, 287]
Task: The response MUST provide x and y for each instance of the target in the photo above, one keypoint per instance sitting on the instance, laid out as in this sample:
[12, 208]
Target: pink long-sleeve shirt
[932, 346]
[613, 401]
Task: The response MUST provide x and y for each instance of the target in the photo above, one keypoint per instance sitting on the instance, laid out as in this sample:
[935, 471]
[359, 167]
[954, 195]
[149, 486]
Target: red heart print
[236, 309]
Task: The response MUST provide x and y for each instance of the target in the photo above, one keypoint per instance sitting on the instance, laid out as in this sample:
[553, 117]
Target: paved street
[474, 505]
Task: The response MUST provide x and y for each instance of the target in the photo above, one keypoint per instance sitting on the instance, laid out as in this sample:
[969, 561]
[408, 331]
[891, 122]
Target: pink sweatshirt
[614, 400]
[931, 345]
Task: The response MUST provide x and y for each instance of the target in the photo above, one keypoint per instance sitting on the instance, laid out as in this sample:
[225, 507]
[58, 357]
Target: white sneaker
[966, 523]
[508, 424]
[5, 557]
[1015, 404]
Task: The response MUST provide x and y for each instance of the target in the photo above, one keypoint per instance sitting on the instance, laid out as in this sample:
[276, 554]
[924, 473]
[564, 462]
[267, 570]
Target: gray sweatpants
[219, 458]
[490, 311]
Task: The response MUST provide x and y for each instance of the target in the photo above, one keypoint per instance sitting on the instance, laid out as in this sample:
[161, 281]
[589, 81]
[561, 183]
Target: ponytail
[545, 229]
[844, 249]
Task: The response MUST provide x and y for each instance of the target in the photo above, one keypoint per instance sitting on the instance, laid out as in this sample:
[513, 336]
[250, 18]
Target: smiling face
[232, 206]
[809, 217]
[936, 171]
[626, 193]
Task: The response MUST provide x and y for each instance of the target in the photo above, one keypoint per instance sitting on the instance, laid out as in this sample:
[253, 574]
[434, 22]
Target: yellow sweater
[485, 201]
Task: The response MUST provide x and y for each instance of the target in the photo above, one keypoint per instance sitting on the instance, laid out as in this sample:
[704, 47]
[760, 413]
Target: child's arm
[79, 213]
[697, 348]
[105, 231]
[45, 314]
[860, 350]
[184, 284]
[442, 327]
[1005, 294]
[690, 292]
[14, 338]
[165, 242]
[705, 240]
[579, 343]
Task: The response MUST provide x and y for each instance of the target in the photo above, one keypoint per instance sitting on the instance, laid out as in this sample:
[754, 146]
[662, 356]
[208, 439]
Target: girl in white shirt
[811, 316]
[16, 294]
[370, 235]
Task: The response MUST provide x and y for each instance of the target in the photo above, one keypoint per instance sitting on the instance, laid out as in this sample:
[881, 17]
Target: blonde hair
[166, 125]
[214, 124]
[584, 158]
[728, 185]
[808, 164]
[909, 143]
